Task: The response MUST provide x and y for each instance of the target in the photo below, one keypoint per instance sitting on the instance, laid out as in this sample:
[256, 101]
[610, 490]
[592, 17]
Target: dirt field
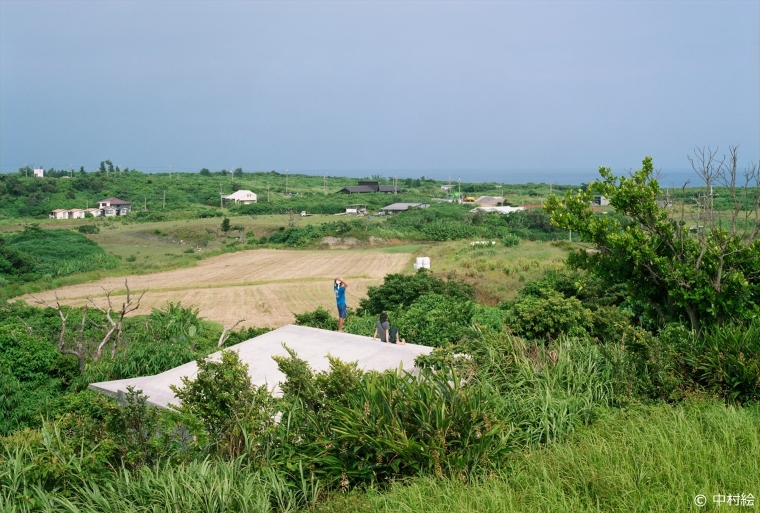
[264, 286]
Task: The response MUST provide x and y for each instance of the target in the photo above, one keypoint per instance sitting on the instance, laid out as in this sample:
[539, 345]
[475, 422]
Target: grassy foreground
[648, 459]
[644, 459]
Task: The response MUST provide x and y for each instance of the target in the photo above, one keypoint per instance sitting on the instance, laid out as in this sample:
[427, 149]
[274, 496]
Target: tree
[225, 226]
[205, 172]
[291, 217]
[709, 272]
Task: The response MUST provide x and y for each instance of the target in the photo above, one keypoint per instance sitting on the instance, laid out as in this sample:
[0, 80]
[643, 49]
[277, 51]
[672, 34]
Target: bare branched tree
[226, 332]
[114, 325]
[78, 350]
[58, 309]
[291, 217]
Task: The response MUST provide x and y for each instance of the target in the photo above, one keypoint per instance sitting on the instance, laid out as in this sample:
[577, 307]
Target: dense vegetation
[35, 253]
[576, 395]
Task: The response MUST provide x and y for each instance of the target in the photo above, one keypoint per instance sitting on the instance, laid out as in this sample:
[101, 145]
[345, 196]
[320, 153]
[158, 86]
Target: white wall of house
[76, 213]
[39, 173]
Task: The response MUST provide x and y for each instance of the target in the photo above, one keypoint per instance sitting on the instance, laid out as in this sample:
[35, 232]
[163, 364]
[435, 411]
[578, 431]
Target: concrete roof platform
[310, 344]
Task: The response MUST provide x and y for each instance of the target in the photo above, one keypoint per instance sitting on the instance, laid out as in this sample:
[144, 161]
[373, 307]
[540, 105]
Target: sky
[404, 88]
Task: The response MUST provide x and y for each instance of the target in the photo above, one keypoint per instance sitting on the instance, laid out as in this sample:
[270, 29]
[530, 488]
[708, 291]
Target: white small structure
[241, 197]
[311, 344]
[94, 212]
[59, 213]
[446, 187]
[358, 209]
[39, 173]
[600, 200]
[500, 210]
[77, 213]
[422, 263]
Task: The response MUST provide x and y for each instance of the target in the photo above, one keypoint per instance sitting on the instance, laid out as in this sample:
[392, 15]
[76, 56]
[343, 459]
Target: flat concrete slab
[310, 344]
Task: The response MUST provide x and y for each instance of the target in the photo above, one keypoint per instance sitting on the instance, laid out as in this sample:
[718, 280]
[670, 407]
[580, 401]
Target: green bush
[230, 408]
[510, 240]
[319, 318]
[726, 361]
[401, 290]
[609, 323]
[435, 320]
[652, 367]
[88, 228]
[549, 316]
[397, 425]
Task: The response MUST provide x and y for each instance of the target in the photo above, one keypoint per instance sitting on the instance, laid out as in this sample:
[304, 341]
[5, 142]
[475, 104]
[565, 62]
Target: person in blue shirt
[340, 287]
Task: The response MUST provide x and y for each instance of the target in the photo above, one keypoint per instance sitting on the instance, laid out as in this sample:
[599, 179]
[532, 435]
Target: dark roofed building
[367, 186]
[114, 207]
[357, 189]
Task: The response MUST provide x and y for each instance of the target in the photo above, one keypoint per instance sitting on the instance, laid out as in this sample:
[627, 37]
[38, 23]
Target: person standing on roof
[340, 287]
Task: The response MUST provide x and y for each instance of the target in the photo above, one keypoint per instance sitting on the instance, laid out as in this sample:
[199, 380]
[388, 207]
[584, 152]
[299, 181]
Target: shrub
[400, 290]
[320, 390]
[609, 323]
[510, 240]
[652, 366]
[227, 404]
[88, 228]
[549, 316]
[726, 361]
[396, 425]
[435, 320]
[319, 318]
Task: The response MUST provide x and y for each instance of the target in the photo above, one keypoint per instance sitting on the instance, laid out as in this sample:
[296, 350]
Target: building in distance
[241, 197]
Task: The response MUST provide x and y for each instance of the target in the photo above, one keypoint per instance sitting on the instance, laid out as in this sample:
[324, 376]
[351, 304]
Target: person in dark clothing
[386, 332]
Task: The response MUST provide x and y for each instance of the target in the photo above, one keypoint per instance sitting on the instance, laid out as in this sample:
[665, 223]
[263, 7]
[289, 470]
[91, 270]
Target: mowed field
[264, 286]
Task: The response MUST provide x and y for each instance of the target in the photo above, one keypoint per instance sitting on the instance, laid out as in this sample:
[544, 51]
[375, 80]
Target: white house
[77, 213]
[94, 212]
[114, 207]
[39, 173]
[59, 213]
[241, 197]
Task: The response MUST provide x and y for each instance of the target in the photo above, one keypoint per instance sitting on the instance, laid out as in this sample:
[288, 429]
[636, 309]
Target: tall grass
[651, 459]
[545, 393]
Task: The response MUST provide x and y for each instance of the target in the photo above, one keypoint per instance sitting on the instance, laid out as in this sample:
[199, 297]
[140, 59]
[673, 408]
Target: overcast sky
[376, 85]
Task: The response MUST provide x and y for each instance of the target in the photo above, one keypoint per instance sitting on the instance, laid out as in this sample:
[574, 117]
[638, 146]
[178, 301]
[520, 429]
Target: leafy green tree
[223, 398]
[226, 226]
[400, 290]
[205, 172]
[710, 273]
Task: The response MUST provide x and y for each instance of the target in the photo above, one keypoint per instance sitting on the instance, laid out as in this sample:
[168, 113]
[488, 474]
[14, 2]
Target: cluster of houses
[110, 207]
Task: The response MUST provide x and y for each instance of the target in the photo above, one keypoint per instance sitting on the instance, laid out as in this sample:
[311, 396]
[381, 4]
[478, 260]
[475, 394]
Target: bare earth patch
[265, 286]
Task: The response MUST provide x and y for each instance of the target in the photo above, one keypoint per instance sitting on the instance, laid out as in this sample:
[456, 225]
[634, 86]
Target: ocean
[674, 178]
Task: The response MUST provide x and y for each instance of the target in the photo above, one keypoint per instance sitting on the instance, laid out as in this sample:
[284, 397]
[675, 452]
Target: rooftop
[115, 201]
[405, 206]
[311, 344]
